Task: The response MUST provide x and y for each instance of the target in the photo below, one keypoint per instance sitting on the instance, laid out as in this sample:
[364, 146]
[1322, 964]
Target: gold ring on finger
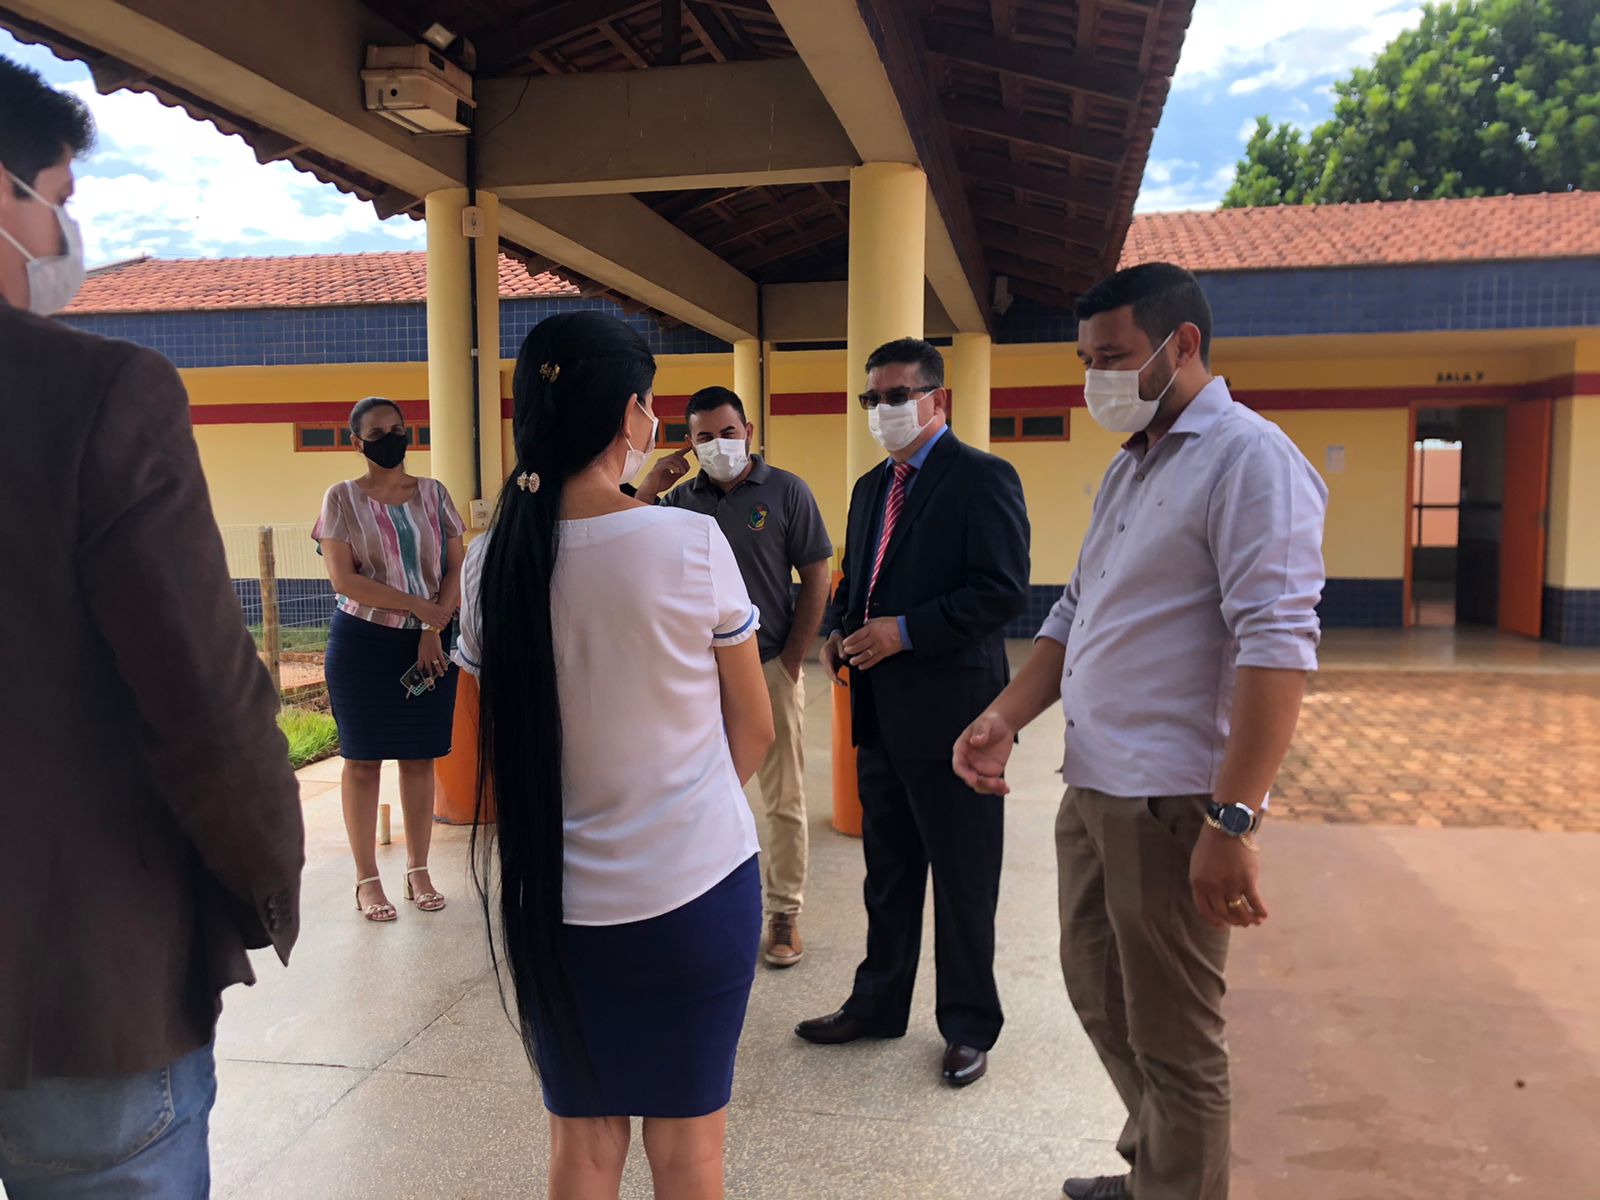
[1236, 902]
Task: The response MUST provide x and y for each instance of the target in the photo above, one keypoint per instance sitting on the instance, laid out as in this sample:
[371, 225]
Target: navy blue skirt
[377, 720]
[662, 1004]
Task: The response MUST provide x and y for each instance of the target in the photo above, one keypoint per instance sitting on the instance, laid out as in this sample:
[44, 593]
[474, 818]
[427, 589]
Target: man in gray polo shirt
[773, 524]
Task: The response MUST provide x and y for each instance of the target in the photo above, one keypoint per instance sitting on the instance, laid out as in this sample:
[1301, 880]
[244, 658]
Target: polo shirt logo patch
[757, 519]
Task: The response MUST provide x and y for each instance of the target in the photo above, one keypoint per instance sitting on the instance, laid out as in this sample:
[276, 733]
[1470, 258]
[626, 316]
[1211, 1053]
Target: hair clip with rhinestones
[550, 372]
[528, 481]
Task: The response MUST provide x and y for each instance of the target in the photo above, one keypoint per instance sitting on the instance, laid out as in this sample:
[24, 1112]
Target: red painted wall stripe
[668, 408]
[290, 414]
[1003, 400]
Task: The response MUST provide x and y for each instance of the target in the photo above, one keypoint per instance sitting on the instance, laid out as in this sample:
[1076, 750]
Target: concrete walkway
[1420, 1019]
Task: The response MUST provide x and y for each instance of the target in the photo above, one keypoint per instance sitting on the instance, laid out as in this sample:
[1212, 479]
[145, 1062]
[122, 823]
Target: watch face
[1237, 819]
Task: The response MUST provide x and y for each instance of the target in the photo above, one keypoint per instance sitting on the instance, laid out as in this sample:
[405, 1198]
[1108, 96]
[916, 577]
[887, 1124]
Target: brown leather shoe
[784, 945]
[1100, 1187]
[964, 1065]
[836, 1029]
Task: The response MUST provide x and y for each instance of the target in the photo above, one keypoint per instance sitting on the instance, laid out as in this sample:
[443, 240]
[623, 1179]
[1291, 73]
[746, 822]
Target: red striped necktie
[891, 518]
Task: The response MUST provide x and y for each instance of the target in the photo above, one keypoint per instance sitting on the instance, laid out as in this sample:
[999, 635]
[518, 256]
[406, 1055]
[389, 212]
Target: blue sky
[161, 183]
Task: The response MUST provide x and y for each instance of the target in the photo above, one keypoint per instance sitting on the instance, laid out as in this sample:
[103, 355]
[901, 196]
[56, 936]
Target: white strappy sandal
[425, 901]
[382, 910]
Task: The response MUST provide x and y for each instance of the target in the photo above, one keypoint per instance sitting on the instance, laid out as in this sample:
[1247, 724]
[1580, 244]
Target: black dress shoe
[836, 1029]
[1101, 1187]
[964, 1065]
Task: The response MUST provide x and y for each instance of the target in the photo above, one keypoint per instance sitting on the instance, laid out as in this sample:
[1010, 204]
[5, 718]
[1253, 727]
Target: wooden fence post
[271, 635]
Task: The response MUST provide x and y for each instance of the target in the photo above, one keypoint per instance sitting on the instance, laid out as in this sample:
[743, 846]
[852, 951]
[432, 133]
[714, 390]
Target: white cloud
[1173, 191]
[1161, 170]
[1247, 129]
[160, 182]
[1253, 45]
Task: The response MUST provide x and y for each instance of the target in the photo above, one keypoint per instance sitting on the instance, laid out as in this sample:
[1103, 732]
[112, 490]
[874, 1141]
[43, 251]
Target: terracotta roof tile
[1489, 228]
[308, 281]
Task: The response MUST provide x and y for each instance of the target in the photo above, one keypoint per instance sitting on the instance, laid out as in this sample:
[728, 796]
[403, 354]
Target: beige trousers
[1145, 974]
[781, 815]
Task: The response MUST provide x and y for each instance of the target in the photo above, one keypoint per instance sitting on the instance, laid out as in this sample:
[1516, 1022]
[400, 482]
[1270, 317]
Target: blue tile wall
[1362, 604]
[1572, 616]
[1490, 295]
[302, 603]
[273, 337]
[519, 316]
[318, 336]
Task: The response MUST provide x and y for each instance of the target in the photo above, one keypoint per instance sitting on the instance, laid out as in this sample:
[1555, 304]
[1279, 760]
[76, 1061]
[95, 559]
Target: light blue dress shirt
[915, 461]
[1203, 555]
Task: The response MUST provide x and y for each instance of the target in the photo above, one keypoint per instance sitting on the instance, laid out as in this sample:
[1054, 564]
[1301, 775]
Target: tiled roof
[308, 281]
[1489, 228]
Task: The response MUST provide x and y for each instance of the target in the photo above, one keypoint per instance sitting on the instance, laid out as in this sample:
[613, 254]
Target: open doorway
[1479, 475]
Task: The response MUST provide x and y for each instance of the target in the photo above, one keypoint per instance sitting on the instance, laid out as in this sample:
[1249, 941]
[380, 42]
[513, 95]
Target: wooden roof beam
[1016, 267]
[1036, 131]
[1037, 180]
[765, 218]
[1040, 64]
[551, 24]
[1040, 220]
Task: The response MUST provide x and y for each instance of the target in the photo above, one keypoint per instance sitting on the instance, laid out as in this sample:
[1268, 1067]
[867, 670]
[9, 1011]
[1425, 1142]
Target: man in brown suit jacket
[150, 826]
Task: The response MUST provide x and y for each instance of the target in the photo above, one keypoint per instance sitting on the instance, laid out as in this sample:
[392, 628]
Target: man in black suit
[936, 564]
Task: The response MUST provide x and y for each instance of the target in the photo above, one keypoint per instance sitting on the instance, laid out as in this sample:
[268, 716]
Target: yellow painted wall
[1364, 537]
[257, 478]
[1573, 554]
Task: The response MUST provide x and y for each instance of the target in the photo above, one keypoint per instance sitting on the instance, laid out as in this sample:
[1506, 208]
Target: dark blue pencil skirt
[662, 1003]
[377, 720]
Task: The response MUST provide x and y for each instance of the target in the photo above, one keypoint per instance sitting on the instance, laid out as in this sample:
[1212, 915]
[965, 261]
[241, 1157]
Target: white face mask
[53, 281]
[1113, 396]
[636, 458]
[895, 426]
[723, 458]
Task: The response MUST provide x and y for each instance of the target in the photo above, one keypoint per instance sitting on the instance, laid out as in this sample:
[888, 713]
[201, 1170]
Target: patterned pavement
[1447, 748]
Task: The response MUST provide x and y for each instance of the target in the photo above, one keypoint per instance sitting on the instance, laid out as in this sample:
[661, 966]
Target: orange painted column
[455, 777]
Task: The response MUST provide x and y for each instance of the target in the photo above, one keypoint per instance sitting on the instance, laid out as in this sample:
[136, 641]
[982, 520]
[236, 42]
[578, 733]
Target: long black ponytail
[574, 379]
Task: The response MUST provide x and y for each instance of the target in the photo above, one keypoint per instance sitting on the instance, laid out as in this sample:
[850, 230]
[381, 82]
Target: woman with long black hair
[623, 708]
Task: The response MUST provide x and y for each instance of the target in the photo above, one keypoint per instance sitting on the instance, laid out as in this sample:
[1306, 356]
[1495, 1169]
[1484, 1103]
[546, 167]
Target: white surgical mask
[723, 458]
[52, 281]
[636, 458]
[895, 426]
[1113, 396]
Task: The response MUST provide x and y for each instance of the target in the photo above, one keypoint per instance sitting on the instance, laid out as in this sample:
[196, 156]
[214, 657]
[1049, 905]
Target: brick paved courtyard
[1446, 748]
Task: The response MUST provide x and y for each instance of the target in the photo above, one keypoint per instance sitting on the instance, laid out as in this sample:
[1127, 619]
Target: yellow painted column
[450, 365]
[888, 221]
[486, 246]
[747, 383]
[967, 374]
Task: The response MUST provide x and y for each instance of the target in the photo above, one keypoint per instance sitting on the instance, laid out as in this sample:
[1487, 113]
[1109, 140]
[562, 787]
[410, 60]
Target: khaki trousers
[785, 838]
[1145, 974]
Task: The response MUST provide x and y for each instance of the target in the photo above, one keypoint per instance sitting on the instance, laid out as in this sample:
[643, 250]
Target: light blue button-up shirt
[916, 462]
[1203, 555]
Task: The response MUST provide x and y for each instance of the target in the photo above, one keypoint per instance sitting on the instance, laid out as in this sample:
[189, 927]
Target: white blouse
[655, 816]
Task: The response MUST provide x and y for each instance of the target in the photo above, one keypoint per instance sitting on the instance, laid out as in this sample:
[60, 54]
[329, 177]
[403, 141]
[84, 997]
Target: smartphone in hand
[416, 681]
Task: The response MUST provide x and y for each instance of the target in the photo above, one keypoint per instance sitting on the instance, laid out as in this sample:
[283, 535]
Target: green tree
[1483, 98]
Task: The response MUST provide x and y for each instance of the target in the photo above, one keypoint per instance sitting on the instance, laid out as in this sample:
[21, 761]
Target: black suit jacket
[957, 569]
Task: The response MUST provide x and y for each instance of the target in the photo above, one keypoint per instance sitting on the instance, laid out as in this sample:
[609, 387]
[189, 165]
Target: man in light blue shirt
[1179, 652]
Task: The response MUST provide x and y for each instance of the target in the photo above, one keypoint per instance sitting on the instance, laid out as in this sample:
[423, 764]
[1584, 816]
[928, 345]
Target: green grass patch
[312, 735]
[309, 640]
